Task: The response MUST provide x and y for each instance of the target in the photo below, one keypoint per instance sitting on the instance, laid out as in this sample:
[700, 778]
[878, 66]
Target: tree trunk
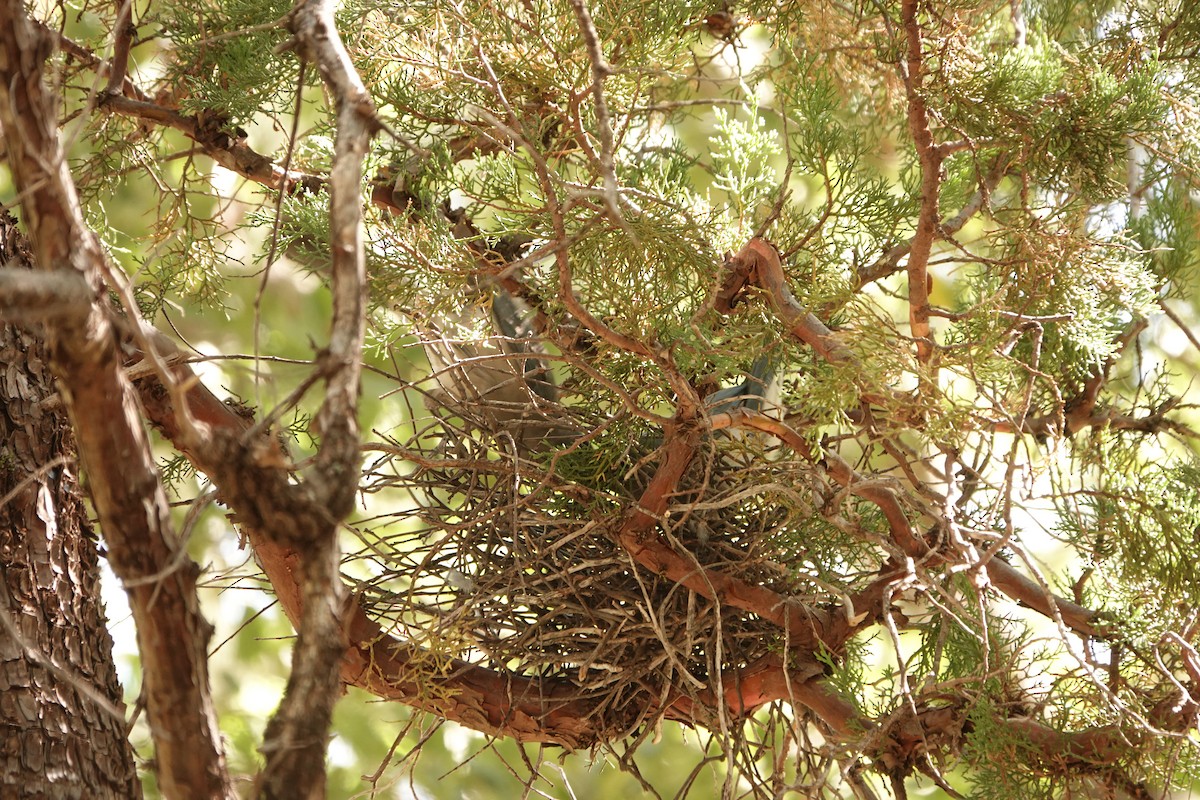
[60, 701]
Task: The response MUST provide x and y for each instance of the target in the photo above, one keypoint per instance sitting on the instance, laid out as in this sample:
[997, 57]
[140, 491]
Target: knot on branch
[911, 739]
[213, 132]
[742, 272]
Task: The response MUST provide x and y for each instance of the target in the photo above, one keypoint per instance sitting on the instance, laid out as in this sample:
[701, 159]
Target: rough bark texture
[123, 481]
[294, 742]
[60, 701]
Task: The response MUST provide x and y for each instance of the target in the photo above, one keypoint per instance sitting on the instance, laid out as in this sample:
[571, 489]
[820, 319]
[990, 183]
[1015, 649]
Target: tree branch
[600, 71]
[123, 33]
[930, 158]
[227, 150]
[122, 479]
[807, 628]
[886, 263]
[295, 740]
[43, 295]
[758, 264]
[494, 702]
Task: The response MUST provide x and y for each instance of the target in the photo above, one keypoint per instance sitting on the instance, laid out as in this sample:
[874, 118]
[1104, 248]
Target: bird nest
[512, 560]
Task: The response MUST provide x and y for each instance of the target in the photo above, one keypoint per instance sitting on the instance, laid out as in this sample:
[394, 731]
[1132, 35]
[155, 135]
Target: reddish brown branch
[1003, 576]
[807, 628]
[1156, 421]
[768, 681]
[1030, 594]
[930, 158]
[1081, 410]
[887, 263]
[758, 264]
[1101, 745]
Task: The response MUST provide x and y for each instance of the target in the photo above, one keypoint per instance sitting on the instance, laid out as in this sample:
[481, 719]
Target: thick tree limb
[121, 475]
[496, 703]
[62, 701]
[295, 740]
[43, 295]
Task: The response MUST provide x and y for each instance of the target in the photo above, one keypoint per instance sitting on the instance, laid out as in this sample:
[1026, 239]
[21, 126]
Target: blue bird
[751, 393]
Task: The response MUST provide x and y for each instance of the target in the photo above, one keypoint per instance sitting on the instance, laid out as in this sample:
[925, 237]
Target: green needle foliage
[977, 488]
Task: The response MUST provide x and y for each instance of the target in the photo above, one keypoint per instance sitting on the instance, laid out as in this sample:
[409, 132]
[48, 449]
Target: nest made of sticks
[483, 552]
